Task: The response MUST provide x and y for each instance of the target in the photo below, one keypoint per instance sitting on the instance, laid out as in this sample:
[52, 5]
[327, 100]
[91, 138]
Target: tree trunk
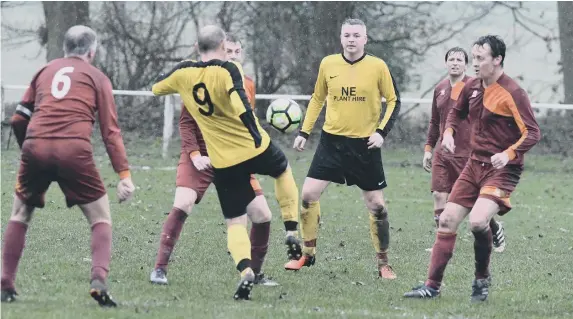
[60, 16]
[565, 13]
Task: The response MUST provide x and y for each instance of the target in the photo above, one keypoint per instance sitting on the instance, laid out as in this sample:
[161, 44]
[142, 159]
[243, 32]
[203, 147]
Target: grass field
[532, 278]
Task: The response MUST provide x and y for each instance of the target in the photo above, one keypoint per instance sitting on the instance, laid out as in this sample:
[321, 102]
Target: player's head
[488, 54]
[456, 61]
[211, 41]
[80, 41]
[234, 48]
[353, 36]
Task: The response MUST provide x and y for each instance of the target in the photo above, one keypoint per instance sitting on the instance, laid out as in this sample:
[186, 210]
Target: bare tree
[565, 12]
[60, 16]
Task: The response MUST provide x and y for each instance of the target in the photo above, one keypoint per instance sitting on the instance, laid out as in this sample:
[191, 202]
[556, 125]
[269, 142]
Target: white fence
[172, 104]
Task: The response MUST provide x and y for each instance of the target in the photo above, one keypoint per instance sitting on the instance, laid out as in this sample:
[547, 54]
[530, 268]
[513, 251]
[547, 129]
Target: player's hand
[427, 161]
[201, 162]
[125, 189]
[375, 141]
[448, 143]
[299, 142]
[499, 160]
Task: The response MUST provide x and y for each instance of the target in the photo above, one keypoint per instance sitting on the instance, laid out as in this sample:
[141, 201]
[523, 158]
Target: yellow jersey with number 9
[214, 95]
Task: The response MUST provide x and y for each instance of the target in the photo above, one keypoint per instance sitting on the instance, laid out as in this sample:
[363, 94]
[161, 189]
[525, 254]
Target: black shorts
[233, 183]
[341, 159]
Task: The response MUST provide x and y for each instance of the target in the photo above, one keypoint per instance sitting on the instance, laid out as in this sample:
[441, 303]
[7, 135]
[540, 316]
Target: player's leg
[442, 251]
[286, 193]
[440, 200]
[31, 184]
[235, 194]
[363, 168]
[463, 196]
[274, 163]
[479, 218]
[183, 203]
[191, 185]
[310, 219]
[379, 231]
[326, 167]
[260, 215]
[494, 195]
[98, 216]
[14, 242]
[441, 185]
[80, 181]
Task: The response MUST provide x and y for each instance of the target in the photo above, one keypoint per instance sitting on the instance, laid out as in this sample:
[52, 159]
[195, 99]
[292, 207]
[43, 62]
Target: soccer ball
[284, 115]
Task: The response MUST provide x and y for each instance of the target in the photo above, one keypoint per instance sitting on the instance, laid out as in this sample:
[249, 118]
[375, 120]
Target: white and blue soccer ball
[284, 115]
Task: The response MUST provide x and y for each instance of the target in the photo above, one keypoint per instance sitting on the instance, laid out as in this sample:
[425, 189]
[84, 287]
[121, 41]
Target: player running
[349, 149]
[213, 92]
[195, 174]
[503, 129]
[53, 125]
[446, 167]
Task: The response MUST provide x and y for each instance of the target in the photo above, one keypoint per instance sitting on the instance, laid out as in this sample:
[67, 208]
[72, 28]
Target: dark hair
[495, 43]
[231, 37]
[456, 50]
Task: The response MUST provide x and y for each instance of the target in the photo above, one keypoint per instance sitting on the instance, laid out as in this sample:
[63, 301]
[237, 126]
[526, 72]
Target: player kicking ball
[444, 166]
[195, 174]
[503, 129]
[213, 92]
[349, 148]
[53, 125]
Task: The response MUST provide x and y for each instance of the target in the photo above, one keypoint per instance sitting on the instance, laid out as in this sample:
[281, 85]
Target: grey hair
[79, 40]
[210, 38]
[353, 21]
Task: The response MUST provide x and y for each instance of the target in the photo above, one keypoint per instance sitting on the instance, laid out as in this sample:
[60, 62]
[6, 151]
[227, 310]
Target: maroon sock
[483, 245]
[14, 242]
[260, 234]
[437, 213]
[169, 236]
[101, 250]
[441, 253]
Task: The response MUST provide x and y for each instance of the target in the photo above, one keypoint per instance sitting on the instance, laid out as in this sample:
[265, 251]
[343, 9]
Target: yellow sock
[287, 196]
[379, 233]
[310, 217]
[374, 233]
[239, 246]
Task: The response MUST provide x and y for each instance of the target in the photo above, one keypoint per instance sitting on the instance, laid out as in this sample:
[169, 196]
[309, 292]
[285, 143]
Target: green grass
[532, 279]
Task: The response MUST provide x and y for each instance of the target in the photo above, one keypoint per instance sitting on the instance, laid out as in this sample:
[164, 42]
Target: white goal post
[172, 104]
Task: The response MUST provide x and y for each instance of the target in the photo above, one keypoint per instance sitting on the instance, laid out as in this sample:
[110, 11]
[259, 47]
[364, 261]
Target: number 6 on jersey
[61, 77]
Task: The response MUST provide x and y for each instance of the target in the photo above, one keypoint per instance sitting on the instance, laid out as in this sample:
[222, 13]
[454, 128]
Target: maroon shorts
[445, 172]
[188, 176]
[480, 179]
[66, 161]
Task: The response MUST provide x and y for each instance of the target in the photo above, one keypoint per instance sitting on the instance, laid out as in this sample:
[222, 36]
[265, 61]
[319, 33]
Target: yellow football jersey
[214, 94]
[354, 92]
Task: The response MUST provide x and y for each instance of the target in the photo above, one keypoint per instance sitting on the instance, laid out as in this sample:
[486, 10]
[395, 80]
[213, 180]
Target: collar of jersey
[353, 62]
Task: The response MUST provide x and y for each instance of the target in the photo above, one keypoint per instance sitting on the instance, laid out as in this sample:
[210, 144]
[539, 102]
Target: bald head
[210, 38]
[80, 41]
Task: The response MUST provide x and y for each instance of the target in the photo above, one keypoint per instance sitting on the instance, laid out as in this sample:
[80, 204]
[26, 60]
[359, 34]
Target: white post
[168, 114]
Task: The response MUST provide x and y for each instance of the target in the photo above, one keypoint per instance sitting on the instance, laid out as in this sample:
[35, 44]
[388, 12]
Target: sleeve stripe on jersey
[248, 117]
[238, 85]
[390, 123]
[231, 91]
[24, 111]
[520, 125]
